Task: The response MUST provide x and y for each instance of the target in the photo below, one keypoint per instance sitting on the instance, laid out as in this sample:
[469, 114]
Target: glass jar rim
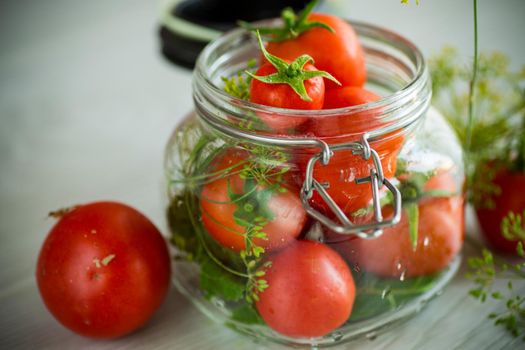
[386, 104]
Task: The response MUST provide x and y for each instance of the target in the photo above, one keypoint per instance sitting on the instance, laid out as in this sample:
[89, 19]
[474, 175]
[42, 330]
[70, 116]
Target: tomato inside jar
[303, 204]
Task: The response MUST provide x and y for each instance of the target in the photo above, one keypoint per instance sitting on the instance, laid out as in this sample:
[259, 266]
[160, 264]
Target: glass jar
[314, 227]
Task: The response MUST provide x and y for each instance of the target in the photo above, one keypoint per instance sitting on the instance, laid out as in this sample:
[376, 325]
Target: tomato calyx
[292, 74]
[294, 25]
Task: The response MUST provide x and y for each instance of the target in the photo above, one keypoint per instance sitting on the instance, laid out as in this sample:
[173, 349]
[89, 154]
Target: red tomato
[283, 96]
[345, 124]
[103, 270]
[510, 199]
[346, 96]
[311, 291]
[339, 53]
[439, 240]
[440, 237]
[218, 209]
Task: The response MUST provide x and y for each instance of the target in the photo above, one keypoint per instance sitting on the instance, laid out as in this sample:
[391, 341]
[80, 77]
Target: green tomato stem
[294, 25]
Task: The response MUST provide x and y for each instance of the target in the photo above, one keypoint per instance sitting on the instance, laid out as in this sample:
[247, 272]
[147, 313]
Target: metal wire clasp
[376, 180]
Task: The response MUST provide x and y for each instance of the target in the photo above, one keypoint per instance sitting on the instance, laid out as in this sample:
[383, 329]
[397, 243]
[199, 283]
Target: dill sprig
[485, 271]
[238, 85]
[253, 214]
[499, 110]
[513, 226]
[226, 274]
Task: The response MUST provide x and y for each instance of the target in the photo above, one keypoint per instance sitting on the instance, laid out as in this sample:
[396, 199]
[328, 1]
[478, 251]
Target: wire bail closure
[376, 180]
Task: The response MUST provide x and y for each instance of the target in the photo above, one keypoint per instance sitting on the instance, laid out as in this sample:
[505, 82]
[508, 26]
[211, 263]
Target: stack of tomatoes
[332, 75]
[310, 288]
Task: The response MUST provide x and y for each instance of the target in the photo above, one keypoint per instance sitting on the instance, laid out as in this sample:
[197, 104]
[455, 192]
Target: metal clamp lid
[376, 178]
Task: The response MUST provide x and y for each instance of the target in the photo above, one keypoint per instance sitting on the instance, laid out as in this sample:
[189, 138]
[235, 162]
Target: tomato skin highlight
[511, 198]
[103, 270]
[218, 210]
[311, 291]
[339, 53]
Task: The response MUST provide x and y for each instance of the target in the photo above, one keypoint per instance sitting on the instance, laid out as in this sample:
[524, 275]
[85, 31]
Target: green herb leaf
[376, 295]
[485, 270]
[246, 314]
[183, 236]
[216, 281]
[412, 211]
[520, 250]
[513, 226]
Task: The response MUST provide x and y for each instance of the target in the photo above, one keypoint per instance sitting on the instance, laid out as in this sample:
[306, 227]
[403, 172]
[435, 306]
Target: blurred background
[79, 76]
[87, 103]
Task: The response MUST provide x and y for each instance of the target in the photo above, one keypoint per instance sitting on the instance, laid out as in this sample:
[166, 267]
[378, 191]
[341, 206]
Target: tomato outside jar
[346, 221]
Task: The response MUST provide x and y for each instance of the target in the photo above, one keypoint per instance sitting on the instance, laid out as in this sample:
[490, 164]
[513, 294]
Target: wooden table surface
[86, 106]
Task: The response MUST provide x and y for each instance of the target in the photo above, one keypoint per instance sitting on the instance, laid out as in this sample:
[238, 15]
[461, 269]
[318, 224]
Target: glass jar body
[248, 251]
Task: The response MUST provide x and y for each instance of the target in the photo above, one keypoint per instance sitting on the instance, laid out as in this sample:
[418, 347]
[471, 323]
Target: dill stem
[472, 87]
[520, 163]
